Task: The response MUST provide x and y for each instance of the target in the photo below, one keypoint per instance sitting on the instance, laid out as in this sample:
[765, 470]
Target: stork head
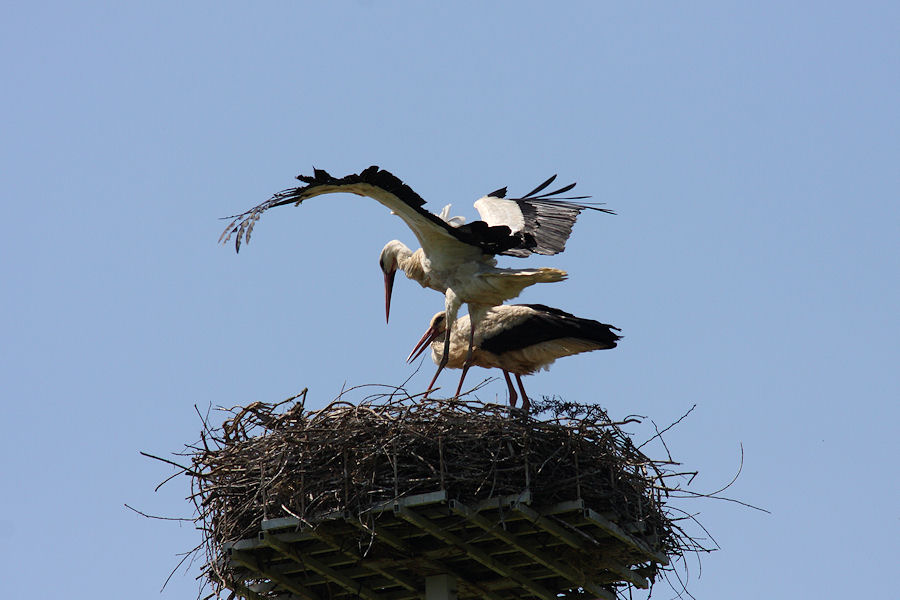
[389, 261]
[436, 329]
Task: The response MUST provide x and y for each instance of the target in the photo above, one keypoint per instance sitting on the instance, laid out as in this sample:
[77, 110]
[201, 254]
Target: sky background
[750, 150]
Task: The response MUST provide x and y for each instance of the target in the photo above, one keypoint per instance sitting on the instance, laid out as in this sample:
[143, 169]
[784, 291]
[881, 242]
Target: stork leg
[476, 315]
[451, 308]
[512, 391]
[526, 403]
[444, 358]
[468, 362]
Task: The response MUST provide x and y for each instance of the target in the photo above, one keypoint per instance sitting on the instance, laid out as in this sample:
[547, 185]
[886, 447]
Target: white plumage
[516, 338]
[456, 259]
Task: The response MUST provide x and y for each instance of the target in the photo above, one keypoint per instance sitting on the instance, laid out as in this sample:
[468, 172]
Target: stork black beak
[422, 344]
[388, 288]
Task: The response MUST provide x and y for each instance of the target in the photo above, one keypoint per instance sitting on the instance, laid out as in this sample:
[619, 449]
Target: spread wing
[437, 237]
[546, 219]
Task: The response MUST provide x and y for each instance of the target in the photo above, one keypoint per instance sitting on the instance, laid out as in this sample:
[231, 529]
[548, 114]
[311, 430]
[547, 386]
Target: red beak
[388, 288]
[422, 345]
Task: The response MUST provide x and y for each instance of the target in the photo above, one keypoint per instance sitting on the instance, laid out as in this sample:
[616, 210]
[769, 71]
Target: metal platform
[430, 547]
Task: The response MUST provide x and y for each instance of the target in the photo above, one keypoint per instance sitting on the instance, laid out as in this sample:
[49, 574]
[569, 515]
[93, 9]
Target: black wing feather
[540, 187]
[490, 240]
[548, 324]
[549, 217]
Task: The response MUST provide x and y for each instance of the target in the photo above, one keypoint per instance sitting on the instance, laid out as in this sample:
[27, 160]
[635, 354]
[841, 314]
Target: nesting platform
[399, 499]
[497, 549]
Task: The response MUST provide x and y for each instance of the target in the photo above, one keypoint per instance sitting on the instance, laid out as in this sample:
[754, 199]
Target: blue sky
[751, 153]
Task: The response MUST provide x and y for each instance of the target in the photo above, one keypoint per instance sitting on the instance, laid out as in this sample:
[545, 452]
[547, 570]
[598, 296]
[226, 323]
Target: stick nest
[281, 460]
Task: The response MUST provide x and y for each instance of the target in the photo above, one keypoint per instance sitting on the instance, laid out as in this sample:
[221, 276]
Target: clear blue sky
[750, 151]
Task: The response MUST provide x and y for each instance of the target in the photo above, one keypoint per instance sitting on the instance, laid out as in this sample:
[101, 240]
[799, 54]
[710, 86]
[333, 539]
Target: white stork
[516, 338]
[455, 259]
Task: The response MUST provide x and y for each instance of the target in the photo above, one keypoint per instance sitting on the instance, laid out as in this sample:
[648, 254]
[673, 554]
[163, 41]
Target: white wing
[500, 211]
[545, 219]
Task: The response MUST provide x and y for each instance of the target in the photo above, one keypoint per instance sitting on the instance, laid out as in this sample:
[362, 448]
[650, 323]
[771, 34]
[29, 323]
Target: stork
[515, 338]
[455, 259]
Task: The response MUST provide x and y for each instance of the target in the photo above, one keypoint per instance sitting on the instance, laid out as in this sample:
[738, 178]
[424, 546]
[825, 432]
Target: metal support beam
[525, 547]
[319, 567]
[476, 553]
[413, 500]
[408, 550]
[617, 532]
[242, 590]
[346, 551]
[440, 587]
[581, 541]
[250, 562]
[552, 527]
[380, 534]
[563, 507]
[501, 501]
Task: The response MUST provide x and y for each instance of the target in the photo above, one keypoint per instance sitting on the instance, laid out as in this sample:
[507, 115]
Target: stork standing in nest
[456, 259]
[515, 338]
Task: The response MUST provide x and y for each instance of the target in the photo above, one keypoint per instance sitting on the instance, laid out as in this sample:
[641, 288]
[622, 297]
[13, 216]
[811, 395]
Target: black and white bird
[455, 259]
[516, 338]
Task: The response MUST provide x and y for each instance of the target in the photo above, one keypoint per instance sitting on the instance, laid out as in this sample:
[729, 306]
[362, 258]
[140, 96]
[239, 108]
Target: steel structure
[432, 547]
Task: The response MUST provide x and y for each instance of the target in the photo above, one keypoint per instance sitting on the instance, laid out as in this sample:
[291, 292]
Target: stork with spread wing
[455, 259]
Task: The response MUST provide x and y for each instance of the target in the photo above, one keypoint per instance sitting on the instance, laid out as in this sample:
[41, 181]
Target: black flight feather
[542, 186]
[491, 240]
[548, 324]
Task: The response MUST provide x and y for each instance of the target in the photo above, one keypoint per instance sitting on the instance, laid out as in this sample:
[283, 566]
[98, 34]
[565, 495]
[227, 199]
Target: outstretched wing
[546, 219]
[436, 236]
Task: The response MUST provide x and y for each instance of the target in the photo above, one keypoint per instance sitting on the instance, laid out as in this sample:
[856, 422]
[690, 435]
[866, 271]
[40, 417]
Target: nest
[269, 461]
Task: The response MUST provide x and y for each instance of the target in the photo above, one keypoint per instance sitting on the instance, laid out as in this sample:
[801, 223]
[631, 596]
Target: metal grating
[500, 549]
